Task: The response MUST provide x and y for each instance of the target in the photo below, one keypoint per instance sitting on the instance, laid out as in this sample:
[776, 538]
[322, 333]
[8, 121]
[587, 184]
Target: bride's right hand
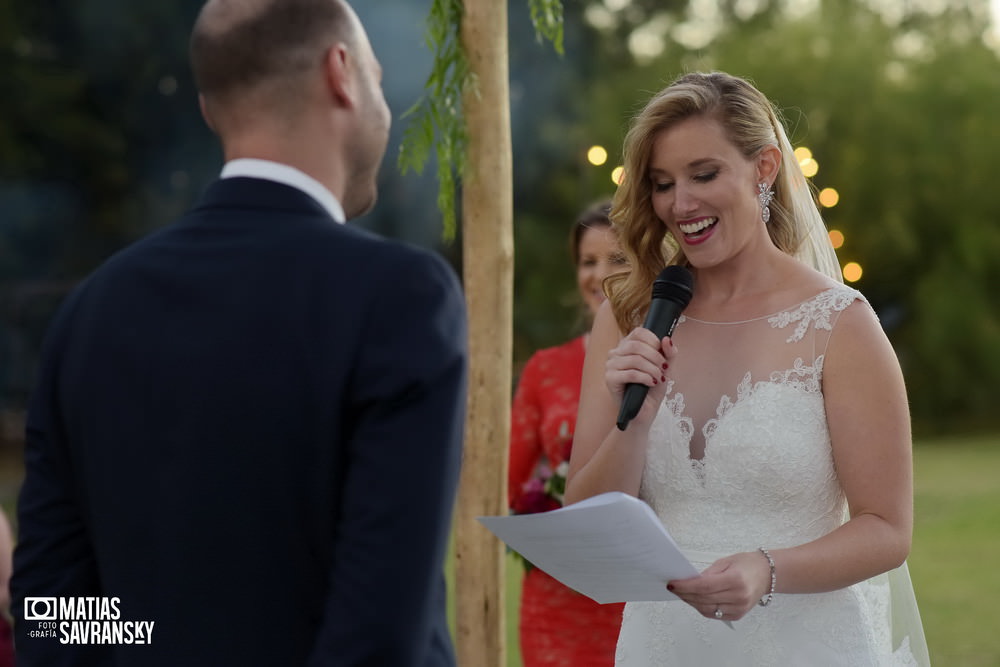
[640, 358]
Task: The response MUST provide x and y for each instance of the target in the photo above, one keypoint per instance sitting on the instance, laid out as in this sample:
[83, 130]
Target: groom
[244, 441]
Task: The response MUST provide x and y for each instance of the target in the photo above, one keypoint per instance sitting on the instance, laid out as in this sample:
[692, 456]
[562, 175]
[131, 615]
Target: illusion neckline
[760, 317]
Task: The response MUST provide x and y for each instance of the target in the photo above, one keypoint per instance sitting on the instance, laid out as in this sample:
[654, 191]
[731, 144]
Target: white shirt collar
[283, 173]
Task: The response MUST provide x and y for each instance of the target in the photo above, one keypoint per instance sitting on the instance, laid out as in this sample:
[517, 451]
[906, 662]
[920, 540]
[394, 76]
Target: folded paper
[611, 547]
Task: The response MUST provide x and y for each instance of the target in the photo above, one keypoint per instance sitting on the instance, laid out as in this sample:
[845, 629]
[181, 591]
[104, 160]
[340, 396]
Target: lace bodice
[739, 456]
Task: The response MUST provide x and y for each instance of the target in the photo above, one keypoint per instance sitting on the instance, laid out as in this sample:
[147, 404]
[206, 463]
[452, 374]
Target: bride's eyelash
[698, 178]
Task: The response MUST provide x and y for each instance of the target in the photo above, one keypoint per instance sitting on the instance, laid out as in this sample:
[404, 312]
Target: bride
[774, 441]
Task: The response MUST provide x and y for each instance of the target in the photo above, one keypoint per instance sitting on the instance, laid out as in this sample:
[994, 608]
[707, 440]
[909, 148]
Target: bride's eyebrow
[701, 162]
[690, 166]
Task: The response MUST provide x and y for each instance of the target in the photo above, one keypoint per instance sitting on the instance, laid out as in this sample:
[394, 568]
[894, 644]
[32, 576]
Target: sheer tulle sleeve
[525, 430]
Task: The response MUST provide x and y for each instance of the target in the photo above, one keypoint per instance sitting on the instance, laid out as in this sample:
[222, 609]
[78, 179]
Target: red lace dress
[558, 626]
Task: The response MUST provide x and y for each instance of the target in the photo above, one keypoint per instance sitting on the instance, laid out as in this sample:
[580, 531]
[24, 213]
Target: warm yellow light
[597, 155]
[852, 272]
[618, 175]
[802, 153]
[809, 167]
[836, 238]
[829, 197]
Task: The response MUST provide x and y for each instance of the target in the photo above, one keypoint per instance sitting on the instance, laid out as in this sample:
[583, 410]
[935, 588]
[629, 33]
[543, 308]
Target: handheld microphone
[672, 291]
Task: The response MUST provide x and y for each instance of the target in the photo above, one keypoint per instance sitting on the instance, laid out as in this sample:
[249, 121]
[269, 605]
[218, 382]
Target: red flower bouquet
[542, 493]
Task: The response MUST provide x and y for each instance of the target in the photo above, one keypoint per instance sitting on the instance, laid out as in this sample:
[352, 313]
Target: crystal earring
[764, 195]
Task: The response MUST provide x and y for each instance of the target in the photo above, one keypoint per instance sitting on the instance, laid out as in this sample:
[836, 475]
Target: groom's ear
[340, 70]
[203, 105]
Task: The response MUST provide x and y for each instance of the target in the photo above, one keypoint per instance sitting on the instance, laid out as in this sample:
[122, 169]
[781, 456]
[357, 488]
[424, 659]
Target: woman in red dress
[558, 626]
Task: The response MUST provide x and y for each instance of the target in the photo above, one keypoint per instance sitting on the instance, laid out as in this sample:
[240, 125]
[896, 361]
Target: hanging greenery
[438, 113]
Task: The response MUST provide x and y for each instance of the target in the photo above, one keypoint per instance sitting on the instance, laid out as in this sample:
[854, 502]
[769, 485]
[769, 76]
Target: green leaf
[439, 113]
[547, 17]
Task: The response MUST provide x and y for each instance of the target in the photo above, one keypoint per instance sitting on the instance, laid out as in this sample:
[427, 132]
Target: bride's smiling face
[704, 190]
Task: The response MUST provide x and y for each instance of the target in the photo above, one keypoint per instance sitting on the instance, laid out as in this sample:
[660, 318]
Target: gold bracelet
[766, 600]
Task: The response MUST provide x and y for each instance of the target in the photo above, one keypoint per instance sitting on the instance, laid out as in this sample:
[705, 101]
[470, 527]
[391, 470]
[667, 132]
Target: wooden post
[488, 259]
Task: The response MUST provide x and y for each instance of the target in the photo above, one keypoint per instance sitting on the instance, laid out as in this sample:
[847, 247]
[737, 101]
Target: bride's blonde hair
[751, 123]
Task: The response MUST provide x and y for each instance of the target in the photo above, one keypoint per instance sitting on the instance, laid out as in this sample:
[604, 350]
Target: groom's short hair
[241, 45]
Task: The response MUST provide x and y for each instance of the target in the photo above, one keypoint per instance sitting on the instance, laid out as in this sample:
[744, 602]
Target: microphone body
[672, 292]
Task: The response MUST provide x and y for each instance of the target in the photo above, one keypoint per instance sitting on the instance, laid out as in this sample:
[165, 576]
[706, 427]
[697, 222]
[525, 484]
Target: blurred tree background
[101, 142]
[897, 102]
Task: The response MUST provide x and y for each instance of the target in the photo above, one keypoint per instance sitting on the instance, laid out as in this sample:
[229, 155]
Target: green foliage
[87, 101]
[900, 113]
[439, 111]
[547, 17]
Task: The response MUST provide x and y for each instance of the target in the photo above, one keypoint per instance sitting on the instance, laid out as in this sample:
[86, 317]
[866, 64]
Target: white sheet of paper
[611, 547]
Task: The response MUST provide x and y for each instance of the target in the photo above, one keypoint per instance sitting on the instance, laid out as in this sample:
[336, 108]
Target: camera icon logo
[40, 609]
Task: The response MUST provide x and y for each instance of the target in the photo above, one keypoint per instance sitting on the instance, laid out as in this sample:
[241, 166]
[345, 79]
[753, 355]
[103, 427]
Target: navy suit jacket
[247, 428]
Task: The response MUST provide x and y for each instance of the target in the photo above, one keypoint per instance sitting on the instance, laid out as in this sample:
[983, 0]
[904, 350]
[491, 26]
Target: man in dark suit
[244, 443]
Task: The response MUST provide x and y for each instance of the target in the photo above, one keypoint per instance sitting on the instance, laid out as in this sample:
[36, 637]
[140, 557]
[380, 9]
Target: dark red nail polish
[670, 587]
[666, 365]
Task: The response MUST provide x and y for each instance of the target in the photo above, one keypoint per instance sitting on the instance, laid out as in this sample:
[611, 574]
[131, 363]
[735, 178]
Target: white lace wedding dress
[739, 457]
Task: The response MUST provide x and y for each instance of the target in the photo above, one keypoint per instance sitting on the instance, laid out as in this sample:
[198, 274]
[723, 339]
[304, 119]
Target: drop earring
[764, 195]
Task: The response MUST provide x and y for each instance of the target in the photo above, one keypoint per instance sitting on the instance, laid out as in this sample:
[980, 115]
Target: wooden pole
[488, 260]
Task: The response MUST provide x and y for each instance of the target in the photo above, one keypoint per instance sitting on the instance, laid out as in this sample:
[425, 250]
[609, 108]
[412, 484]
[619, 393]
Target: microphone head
[675, 283]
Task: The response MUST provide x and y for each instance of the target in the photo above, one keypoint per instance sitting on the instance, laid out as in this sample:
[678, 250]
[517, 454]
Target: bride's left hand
[732, 585]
